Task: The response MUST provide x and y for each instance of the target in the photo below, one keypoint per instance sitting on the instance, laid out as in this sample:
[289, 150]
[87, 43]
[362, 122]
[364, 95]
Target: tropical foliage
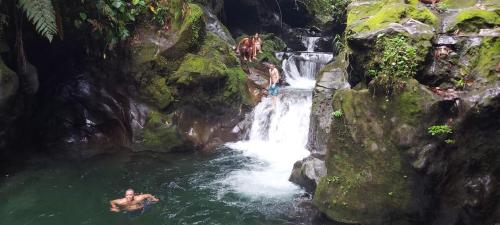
[437, 130]
[397, 59]
[41, 13]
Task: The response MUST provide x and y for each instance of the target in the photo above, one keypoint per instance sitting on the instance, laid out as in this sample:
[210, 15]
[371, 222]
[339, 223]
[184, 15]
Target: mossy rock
[195, 69]
[458, 4]
[492, 4]
[368, 180]
[368, 58]
[322, 10]
[190, 34]
[488, 58]
[472, 20]
[374, 16]
[157, 92]
[270, 45]
[9, 83]
[213, 76]
[159, 134]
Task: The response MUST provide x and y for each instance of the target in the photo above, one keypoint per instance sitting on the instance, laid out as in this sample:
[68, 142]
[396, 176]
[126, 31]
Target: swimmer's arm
[114, 207]
[150, 197]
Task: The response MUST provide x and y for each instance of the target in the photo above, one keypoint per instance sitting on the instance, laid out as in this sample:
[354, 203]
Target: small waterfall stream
[278, 135]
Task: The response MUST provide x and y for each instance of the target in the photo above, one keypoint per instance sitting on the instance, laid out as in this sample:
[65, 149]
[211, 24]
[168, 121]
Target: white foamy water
[278, 135]
[277, 140]
[310, 42]
[301, 68]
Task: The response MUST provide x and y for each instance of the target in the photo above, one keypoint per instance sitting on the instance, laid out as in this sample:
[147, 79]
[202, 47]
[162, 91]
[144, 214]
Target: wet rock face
[365, 162]
[384, 165]
[362, 45]
[456, 61]
[206, 82]
[307, 173]
[467, 180]
[296, 20]
[333, 77]
[85, 118]
[207, 130]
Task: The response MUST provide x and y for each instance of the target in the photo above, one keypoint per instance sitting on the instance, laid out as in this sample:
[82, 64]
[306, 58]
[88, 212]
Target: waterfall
[301, 68]
[310, 42]
[278, 135]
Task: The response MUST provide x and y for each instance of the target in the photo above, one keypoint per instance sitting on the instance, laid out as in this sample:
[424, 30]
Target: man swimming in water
[131, 202]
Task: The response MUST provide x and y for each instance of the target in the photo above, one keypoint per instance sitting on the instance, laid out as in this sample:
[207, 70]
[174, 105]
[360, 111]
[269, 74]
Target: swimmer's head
[129, 194]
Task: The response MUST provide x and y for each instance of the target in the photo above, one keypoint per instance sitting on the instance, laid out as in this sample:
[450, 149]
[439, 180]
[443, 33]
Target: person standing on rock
[257, 42]
[274, 77]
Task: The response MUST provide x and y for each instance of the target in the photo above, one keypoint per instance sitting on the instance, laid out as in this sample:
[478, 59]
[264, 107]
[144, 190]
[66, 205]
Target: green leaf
[135, 2]
[117, 4]
[83, 16]
[41, 14]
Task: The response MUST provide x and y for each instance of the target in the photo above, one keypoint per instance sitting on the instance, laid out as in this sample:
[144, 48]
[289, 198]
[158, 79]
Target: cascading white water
[310, 43]
[278, 135]
[301, 68]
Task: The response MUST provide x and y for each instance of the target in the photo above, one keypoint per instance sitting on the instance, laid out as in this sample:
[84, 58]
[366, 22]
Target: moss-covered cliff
[388, 157]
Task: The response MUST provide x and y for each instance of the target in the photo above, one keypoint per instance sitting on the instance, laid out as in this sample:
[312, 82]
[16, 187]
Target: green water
[67, 193]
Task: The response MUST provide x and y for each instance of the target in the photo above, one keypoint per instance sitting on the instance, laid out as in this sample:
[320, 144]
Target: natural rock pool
[193, 188]
[245, 182]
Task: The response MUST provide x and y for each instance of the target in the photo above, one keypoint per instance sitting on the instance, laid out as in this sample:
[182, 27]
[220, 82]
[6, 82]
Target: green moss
[492, 4]
[362, 11]
[327, 10]
[489, 58]
[270, 45]
[195, 68]
[190, 34]
[382, 15]
[157, 92]
[235, 84]
[408, 106]
[394, 59]
[159, 133]
[215, 73]
[471, 20]
[457, 4]
[363, 153]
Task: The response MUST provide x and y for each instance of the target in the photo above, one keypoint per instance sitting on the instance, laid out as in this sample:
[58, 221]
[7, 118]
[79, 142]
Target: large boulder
[188, 75]
[473, 19]
[370, 15]
[308, 172]
[368, 180]
[331, 78]
[368, 21]
[403, 153]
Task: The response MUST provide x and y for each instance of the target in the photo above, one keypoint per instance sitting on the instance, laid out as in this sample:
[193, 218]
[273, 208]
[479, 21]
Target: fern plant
[41, 13]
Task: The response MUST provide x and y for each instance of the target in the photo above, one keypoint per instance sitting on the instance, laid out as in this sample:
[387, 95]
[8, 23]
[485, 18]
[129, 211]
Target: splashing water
[300, 69]
[310, 42]
[278, 135]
